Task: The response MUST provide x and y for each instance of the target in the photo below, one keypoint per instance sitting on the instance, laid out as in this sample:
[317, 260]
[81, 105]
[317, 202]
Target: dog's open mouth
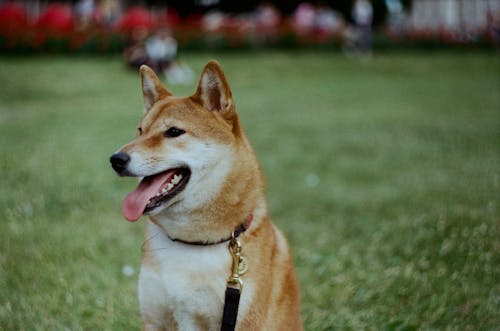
[153, 191]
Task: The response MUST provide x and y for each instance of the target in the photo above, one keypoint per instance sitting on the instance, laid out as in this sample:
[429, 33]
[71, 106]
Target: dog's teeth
[177, 179]
[164, 190]
[170, 186]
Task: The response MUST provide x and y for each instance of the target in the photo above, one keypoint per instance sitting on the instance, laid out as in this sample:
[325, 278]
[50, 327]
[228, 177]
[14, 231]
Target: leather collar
[235, 234]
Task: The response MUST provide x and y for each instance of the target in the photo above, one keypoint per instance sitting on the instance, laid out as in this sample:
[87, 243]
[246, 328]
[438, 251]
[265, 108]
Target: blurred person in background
[327, 22]
[108, 11]
[362, 15]
[267, 19]
[161, 52]
[84, 10]
[135, 51]
[303, 19]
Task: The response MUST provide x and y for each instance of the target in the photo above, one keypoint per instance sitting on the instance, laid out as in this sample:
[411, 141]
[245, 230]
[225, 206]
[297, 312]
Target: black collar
[236, 233]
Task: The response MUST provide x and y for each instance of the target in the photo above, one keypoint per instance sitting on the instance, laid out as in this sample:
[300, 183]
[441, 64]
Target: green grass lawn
[384, 174]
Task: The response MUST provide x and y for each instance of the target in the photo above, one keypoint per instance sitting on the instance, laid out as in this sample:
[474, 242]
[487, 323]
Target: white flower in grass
[312, 180]
[128, 270]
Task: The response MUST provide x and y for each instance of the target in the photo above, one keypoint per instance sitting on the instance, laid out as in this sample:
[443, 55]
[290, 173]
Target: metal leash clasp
[240, 264]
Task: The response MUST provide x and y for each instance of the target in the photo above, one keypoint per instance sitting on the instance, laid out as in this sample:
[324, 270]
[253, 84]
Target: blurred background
[377, 124]
[112, 25]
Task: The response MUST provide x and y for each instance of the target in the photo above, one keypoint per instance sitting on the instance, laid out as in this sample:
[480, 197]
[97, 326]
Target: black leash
[231, 304]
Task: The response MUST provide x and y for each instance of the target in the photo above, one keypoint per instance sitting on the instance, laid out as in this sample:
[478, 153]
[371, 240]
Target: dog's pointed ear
[213, 91]
[152, 88]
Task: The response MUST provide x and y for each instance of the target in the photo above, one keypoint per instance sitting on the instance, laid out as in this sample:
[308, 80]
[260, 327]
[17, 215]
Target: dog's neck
[235, 234]
[201, 228]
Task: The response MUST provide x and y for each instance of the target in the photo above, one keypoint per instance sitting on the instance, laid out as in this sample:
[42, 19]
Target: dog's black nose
[119, 162]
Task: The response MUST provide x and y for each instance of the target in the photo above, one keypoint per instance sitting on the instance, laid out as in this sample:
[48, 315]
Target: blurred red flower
[134, 19]
[14, 23]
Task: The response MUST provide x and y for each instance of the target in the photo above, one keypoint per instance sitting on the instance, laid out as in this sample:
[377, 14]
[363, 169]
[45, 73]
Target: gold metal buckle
[240, 264]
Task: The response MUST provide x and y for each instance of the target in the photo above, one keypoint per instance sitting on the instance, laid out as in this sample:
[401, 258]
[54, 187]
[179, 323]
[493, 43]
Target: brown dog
[203, 191]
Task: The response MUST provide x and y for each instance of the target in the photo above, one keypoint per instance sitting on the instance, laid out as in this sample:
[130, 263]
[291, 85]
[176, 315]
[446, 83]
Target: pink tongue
[136, 201]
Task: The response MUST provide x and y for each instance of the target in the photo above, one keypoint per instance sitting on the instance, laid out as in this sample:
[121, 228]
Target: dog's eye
[139, 130]
[173, 132]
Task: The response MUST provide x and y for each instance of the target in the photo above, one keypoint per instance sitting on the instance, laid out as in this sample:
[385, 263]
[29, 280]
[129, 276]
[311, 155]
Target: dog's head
[182, 147]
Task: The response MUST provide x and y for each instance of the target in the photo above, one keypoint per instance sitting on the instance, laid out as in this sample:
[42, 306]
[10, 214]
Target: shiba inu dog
[203, 192]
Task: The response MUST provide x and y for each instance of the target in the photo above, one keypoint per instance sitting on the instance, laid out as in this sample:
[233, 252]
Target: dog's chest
[184, 283]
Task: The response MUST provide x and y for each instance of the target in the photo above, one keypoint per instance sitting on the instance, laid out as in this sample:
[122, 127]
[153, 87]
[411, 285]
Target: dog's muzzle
[119, 162]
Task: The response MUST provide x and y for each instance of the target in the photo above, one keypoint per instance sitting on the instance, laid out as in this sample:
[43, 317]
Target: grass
[384, 174]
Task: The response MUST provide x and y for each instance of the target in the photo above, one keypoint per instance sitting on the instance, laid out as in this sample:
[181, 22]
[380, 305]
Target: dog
[202, 188]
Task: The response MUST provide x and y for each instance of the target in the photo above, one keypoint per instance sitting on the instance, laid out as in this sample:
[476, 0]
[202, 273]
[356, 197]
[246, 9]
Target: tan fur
[270, 298]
